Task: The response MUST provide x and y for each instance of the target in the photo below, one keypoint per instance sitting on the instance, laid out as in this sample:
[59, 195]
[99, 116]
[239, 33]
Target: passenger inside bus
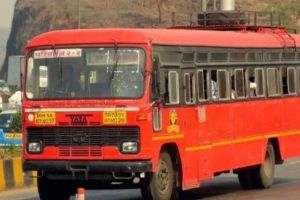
[233, 92]
[252, 87]
[214, 86]
[70, 86]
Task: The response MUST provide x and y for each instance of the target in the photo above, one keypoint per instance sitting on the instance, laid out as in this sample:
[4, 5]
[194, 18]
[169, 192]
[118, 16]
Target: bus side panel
[205, 165]
[179, 128]
[204, 135]
[189, 127]
[289, 144]
[246, 123]
[218, 119]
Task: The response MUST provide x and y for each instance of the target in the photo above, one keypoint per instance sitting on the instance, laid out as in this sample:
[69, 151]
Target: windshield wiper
[112, 75]
[60, 69]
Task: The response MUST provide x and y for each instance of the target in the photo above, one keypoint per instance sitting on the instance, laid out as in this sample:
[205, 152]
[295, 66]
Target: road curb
[12, 175]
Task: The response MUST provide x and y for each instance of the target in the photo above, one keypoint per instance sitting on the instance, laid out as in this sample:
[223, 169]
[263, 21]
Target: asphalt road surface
[225, 187]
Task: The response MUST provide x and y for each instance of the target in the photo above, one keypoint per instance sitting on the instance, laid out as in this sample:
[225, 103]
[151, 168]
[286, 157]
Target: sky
[6, 12]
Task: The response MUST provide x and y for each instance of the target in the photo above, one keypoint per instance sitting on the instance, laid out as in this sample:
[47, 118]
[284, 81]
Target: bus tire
[262, 175]
[51, 189]
[244, 176]
[161, 185]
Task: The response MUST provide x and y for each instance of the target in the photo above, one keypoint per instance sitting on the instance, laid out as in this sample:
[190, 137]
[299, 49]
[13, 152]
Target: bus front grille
[82, 136]
[80, 151]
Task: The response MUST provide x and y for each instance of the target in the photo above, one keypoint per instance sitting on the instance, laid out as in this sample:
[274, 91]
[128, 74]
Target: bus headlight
[129, 147]
[34, 147]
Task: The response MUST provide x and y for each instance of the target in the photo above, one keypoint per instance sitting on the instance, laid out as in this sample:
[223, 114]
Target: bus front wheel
[161, 185]
[50, 189]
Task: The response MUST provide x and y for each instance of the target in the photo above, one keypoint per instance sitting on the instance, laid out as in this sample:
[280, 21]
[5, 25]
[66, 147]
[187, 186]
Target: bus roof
[182, 37]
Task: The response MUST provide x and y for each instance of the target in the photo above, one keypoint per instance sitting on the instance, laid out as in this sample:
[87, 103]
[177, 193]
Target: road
[225, 187]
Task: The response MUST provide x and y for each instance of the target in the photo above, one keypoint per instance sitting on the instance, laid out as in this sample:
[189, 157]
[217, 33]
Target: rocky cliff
[3, 35]
[33, 17]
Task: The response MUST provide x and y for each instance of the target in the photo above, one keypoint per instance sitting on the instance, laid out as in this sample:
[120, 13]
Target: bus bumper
[89, 166]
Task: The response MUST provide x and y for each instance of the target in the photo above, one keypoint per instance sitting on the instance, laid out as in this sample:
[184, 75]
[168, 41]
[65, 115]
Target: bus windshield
[85, 73]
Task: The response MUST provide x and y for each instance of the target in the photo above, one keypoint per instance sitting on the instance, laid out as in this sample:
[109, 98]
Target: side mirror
[158, 81]
[161, 84]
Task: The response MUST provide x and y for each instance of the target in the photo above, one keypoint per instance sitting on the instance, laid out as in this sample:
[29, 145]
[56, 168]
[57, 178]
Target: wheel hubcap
[267, 166]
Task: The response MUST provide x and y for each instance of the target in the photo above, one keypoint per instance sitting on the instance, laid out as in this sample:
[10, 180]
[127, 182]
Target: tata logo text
[78, 119]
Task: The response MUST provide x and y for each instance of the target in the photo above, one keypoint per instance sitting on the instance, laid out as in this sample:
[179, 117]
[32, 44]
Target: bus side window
[256, 82]
[202, 78]
[251, 82]
[154, 79]
[173, 87]
[189, 88]
[260, 82]
[223, 84]
[273, 82]
[291, 80]
[284, 81]
[219, 83]
[239, 83]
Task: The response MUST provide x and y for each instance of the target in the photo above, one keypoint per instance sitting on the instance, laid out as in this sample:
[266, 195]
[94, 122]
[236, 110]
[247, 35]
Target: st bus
[159, 109]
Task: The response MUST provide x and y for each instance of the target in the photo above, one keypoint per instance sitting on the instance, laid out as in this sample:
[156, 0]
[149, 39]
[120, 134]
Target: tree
[16, 123]
[159, 4]
[289, 13]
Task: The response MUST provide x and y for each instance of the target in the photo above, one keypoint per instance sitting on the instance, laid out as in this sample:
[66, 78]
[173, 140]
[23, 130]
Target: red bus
[159, 109]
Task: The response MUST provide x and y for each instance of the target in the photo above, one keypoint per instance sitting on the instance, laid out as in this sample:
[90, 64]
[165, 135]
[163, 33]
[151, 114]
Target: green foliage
[16, 124]
[10, 151]
[289, 12]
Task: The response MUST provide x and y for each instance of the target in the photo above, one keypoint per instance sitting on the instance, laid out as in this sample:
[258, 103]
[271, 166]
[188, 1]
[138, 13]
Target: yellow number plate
[114, 117]
[44, 118]
[13, 135]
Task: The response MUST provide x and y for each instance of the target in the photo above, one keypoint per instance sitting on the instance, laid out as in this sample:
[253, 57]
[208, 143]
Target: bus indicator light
[31, 117]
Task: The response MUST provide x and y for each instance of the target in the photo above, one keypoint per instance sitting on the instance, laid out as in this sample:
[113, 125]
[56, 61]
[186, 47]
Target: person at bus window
[214, 90]
[233, 92]
[252, 87]
[214, 86]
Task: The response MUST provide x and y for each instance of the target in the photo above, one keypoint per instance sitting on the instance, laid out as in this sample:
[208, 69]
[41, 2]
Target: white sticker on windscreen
[57, 53]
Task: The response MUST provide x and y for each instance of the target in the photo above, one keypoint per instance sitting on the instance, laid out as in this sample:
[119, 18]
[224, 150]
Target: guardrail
[12, 175]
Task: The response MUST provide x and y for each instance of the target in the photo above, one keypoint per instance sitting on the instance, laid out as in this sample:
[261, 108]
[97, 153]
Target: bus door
[193, 134]
[247, 116]
[199, 142]
[218, 122]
